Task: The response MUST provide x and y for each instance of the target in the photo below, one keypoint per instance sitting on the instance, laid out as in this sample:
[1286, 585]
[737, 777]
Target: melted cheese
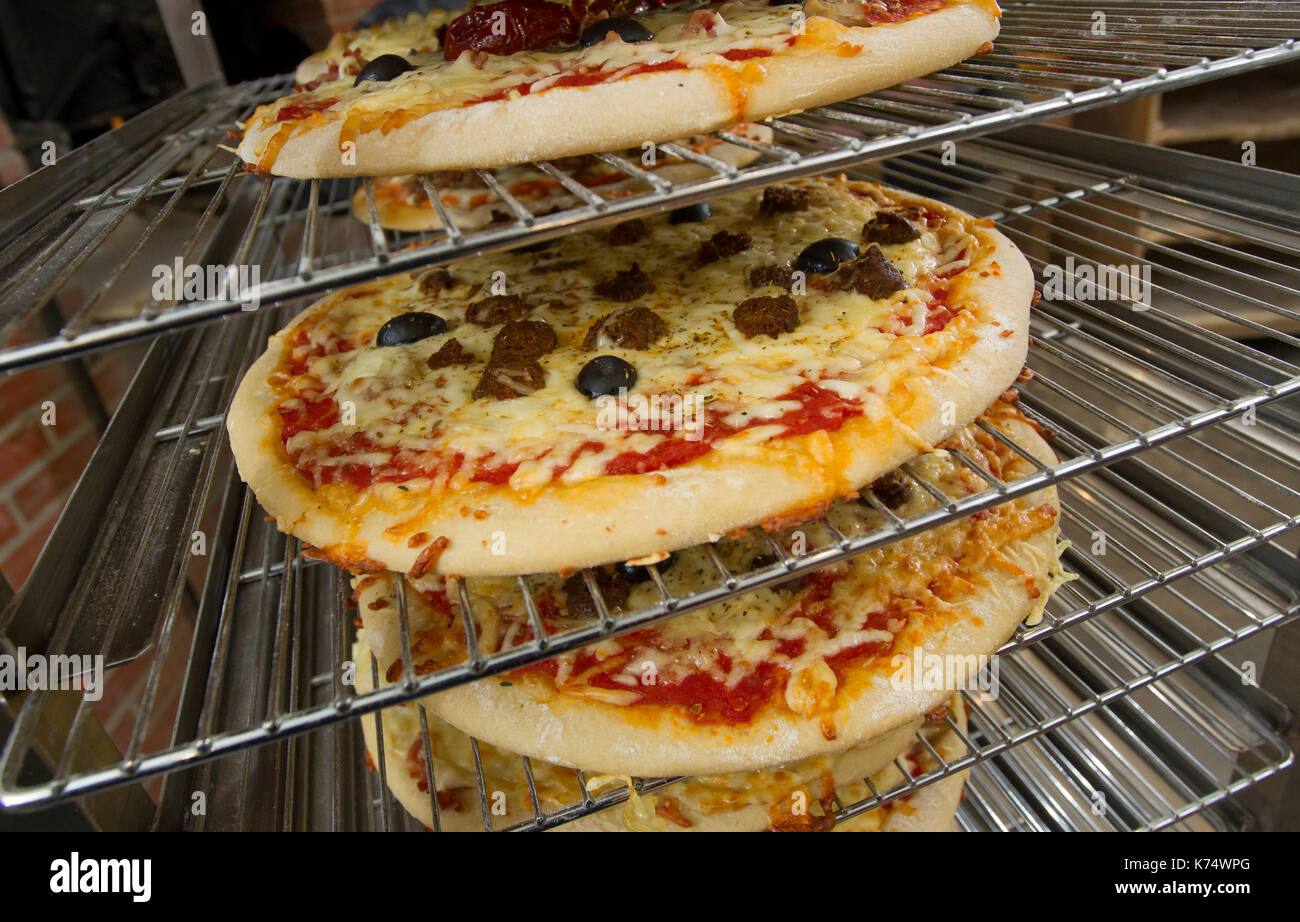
[477, 206]
[905, 589]
[413, 37]
[845, 342]
[557, 786]
[683, 34]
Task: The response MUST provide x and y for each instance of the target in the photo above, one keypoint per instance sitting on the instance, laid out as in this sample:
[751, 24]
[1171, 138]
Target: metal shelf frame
[1178, 444]
[1048, 61]
[1090, 731]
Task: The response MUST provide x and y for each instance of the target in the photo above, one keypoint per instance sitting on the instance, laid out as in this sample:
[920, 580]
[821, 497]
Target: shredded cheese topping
[410, 36]
[428, 421]
[691, 800]
[887, 600]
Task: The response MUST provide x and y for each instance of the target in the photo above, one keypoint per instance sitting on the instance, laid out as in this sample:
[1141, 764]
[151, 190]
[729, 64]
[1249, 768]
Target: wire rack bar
[1063, 753]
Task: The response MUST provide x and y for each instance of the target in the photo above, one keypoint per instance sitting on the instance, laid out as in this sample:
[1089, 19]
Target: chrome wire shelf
[1178, 446]
[1052, 58]
[1168, 757]
[1092, 731]
[1108, 707]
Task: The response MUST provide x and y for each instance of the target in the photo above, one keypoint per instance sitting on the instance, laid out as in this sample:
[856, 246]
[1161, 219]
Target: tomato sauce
[938, 317]
[295, 111]
[898, 10]
[708, 700]
[705, 699]
[499, 474]
[587, 76]
[744, 54]
[820, 409]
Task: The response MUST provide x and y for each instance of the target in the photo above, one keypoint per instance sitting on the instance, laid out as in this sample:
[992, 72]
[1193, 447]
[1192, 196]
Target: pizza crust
[614, 518]
[657, 106]
[934, 807]
[402, 216]
[930, 808]
[531, 718]
[313, 67]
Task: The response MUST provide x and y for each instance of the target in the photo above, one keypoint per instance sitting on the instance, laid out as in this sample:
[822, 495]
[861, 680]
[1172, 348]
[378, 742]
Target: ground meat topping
[512, 369]
[871, 274]
[888, 228]
[937, 715]
[451, 353]
[633, 328]
[780, 276]
[766, 316]
[721, 245]
[496, 309]
[782, 199]
[434, 280]
[563, 265]
[893, 490]
[626, 285]
[525, 338]
[613, 589]
[627, 232]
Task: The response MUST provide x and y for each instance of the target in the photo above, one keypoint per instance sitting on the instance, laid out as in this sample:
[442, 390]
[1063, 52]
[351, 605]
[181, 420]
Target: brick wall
[48, 432]
[49, 428]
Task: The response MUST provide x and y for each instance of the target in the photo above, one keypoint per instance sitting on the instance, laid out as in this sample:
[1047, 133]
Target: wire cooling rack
[1100, 729]
[1177, 445]
[166, 170]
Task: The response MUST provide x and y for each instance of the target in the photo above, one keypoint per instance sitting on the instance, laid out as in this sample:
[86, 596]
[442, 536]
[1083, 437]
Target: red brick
[54, 480]
[28, 389]
[113, 373]
[118, 709]
[24, 448]
[20, 561]
[70, 411]
[8, 525]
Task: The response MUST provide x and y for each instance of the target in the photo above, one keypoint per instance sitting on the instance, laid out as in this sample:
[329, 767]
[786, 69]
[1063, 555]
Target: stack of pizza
[615, 414]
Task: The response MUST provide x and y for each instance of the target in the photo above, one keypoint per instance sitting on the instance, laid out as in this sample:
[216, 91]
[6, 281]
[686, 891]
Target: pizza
[933, 808]
[414, 37]
[402, 202]
[796, 797]
[525, 80]
[805, 668]
[627, 391]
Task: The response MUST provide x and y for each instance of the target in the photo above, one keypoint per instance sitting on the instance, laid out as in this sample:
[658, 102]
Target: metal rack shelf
[1092, 731]
[1049, 60]
[1177, 444]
